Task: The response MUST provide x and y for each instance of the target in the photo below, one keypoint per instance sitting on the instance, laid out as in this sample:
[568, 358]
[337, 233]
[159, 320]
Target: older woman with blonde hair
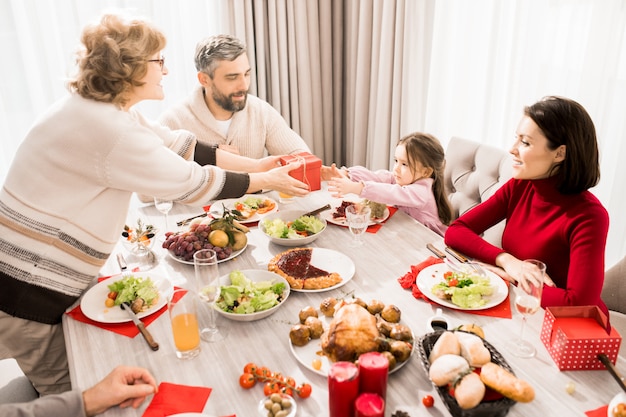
[67, 193]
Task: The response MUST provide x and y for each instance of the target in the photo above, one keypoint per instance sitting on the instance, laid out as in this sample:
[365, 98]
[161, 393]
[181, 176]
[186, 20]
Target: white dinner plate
[328, 216]
[331, 261]
[217, 208]
[308, 353]
[619, 398]
[433, 274]
[182, 261]
[93, 306]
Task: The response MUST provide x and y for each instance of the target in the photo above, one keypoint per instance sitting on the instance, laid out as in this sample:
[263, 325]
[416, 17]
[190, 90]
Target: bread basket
[496, 408]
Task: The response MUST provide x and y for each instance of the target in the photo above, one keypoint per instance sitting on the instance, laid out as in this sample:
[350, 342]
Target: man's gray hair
[213, 49]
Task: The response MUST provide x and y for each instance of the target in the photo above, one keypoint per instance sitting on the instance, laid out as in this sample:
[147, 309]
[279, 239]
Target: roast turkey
[352, 331]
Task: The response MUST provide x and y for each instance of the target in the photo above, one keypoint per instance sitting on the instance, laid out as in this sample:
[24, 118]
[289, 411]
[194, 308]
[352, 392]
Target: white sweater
[255, 129]
[65, 199]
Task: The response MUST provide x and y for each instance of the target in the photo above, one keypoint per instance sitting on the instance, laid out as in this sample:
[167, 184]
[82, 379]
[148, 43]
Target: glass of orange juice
[285, 198]
[184, 319]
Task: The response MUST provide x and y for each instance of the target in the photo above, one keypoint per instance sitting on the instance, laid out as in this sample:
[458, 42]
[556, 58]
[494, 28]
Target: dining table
[388, 252]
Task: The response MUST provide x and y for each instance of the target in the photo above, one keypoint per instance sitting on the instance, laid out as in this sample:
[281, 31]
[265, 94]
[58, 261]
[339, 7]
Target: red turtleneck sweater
[567, 232]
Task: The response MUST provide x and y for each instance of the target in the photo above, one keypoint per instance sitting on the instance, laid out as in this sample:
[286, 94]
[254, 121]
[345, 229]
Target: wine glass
[358, 218]
[164, 206]
[208, 288]
[527, 302]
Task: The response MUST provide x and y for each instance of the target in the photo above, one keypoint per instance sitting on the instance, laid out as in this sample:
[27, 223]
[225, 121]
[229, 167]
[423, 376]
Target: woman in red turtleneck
[550, 214]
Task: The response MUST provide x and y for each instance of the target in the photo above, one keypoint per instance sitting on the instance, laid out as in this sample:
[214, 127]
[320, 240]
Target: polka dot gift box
[574, 336]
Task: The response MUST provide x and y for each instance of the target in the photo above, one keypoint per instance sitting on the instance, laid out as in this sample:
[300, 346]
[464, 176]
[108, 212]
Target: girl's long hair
[426, 149]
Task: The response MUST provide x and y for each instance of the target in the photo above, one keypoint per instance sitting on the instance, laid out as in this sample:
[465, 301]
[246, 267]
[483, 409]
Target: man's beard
[227, 103]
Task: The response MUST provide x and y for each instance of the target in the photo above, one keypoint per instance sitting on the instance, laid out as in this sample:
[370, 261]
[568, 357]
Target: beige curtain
[339, 71]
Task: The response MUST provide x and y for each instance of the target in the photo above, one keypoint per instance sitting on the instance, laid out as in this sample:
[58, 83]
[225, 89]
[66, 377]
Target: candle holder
[343, 388]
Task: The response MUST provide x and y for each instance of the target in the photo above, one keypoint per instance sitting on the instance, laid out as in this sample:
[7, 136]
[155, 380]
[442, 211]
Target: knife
[317, 211]
[459, 257]
[611, 368]
[184, 222]
[142, 327]
[452, 264]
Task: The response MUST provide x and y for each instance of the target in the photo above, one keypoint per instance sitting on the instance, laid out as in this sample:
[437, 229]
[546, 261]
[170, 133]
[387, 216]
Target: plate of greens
[292, 228]
[461, 290]
[251, 294]
[153, 288]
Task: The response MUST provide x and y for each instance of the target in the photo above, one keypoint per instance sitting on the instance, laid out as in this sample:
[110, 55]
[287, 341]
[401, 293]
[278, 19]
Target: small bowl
[287, 216]
[257, 275]
[264, 412]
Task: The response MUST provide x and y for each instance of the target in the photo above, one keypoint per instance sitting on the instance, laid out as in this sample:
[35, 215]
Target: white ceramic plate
[182, 261]
[619, 398]
[93, 306]
[256, 275]
[331, 261]
[328, 216]
[433, 274]
[217, 208]
[311, 351]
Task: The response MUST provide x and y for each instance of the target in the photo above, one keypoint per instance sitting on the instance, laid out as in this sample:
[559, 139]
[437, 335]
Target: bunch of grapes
[184, 244]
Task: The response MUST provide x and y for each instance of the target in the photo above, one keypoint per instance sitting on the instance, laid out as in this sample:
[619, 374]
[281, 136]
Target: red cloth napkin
[176, 399]
[407, 281]
[376, 227]
[598, 412]
[127, 328]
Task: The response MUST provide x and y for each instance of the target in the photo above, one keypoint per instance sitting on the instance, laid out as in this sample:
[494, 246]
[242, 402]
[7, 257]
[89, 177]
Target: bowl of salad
[251, 294]
[292, 228]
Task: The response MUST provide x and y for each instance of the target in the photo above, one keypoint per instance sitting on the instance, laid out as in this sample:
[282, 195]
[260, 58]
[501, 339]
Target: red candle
[369, 405]
[373, 371]
[343, 388]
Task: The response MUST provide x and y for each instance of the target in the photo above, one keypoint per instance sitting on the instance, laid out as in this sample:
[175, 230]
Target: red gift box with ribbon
[310, 170]
[575, 335]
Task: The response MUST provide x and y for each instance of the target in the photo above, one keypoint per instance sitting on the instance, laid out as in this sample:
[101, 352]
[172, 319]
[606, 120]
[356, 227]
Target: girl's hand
[330, 172]
[267, 163]
[340, 186]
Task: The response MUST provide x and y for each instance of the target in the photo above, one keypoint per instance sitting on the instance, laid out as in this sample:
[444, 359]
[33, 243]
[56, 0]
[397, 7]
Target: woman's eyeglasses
[161, 61]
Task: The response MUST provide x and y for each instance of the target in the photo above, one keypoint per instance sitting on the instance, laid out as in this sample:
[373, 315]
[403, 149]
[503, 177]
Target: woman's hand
[340, 186]
[512, 271]
[267, 163]
[279, 179]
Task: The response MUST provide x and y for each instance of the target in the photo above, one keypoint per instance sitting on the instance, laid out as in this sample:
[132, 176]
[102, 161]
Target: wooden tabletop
[384, 257]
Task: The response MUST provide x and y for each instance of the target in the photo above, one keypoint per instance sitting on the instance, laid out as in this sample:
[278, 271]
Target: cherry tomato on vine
[270, 388]
[247, 380]
[304, 390]
[428, 401]
[262, 373]
[287, 390]
[250, 368]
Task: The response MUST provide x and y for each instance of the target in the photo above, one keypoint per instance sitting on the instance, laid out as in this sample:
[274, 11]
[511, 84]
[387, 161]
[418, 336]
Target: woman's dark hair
[426, 149]
[114, 58]
[565, 122]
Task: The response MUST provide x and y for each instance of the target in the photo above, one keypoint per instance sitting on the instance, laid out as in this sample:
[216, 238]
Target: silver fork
[476, 267]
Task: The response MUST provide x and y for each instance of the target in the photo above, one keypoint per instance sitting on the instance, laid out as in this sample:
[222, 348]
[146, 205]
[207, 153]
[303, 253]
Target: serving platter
[217, 208]
[183, 261]
[308, 353]
[433, 274]
[92, 303]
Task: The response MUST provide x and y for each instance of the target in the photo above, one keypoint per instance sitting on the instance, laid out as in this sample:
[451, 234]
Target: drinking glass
[208, 288]
[527, 302]
[164, 206]
[358, 218]
[184, 319]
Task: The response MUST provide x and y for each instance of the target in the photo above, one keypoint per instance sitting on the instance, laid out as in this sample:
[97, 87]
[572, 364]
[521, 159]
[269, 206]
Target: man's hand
[124, 386]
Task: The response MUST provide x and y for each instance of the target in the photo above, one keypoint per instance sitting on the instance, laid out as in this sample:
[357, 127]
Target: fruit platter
[225, 235]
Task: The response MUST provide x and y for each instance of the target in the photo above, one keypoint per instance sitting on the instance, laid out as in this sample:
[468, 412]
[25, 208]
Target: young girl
[415, 185]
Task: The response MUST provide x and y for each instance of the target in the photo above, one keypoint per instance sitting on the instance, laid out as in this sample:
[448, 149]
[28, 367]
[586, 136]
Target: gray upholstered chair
[473, 172]
[614, 295]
